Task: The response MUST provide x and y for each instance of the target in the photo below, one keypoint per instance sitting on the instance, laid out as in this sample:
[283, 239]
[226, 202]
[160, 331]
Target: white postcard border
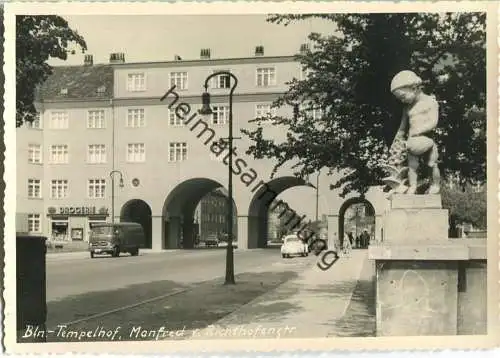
[224, 346]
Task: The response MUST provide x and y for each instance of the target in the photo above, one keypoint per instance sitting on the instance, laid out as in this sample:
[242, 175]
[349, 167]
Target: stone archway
[370, 212]
[263, 197]
[179, 229]
[138, 211]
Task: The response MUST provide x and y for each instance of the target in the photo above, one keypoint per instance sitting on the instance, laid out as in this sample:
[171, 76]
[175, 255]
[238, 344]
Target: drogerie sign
[78, 210]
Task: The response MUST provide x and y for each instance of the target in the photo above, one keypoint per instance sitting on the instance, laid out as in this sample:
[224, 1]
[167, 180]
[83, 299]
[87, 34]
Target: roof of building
[78, 82]
[207, 62]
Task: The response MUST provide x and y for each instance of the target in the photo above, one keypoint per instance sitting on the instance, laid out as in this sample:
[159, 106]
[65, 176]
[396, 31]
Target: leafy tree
[465, 205]
[37, 39]
[348, 76]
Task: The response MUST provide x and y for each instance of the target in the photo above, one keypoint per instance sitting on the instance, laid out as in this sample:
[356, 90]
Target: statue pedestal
[424, 279]
[415, 218]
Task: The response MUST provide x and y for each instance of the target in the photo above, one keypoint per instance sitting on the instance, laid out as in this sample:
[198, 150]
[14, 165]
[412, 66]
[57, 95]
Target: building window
[34, 223]
[304, 73]
[34, 189]
[95, 119]
[58, 189]
[37, 122]
[96, 153]
[136, 82]
[179, 80]
[263, 110]
[59, 120]
[173, 119]
[266, 76]
[315, 113]
[136, 152]
[97, 188]
[59, 154]
[318, 113]
[177, 152]
[35, 153]
[220, 115]
[221, 81]
[101, 90]
[135, 118]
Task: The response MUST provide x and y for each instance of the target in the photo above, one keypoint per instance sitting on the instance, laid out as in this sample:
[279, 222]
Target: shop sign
[77, 210]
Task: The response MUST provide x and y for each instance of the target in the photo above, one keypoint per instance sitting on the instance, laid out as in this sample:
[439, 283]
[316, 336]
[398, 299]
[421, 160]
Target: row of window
[213, 218]
[96, 119]
[59, 188]
[264, 77]
[97, 153]
[215, 202]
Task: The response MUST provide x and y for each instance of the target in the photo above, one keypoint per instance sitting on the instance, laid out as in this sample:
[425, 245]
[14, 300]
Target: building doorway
[138, 211]
[59, 230]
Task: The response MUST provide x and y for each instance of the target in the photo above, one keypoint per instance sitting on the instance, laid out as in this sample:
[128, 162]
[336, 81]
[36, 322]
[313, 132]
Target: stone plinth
[416, 299]
[406, 201]
[453, 250]
[415, 218]
[427, 284]
[431, 289]
[472, 297]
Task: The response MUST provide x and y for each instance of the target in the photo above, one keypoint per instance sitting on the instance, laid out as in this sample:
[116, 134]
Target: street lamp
[112, 176]
[317, 195]
[206, 110]
[316, 187]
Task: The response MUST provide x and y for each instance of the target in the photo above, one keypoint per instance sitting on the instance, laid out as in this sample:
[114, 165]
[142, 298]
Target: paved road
[74, 274]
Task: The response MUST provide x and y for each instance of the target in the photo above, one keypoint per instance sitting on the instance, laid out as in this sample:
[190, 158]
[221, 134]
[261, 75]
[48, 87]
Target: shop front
[73, 223]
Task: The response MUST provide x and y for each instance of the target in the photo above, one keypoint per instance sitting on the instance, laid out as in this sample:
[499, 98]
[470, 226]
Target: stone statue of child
[417, 128]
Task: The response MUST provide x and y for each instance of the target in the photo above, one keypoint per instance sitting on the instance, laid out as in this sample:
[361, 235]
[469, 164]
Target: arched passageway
[263, 197]
[211, 216]
[181, 223]
[355, 216]
[138, 211]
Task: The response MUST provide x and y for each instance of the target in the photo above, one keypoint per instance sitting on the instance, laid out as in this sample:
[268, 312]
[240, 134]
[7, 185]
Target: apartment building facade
[106, 147]
[61, 156]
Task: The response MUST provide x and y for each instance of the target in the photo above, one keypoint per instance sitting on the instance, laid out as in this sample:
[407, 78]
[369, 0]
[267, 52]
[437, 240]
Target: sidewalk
[314, 305]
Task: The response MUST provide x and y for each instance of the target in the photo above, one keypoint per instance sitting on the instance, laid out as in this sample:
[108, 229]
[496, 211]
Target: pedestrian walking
[351, 238]
[365, 238]
[347, 249]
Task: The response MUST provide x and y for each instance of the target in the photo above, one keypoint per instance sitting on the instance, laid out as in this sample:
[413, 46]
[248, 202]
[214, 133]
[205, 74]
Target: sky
[147, 38]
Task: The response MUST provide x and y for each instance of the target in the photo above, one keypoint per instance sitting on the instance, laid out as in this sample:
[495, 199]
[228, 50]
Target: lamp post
[206, 110]
[317, 195]
[112, 176]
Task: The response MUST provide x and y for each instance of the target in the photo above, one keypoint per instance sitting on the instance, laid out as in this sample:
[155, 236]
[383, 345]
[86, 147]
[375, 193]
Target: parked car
[53, 243]
[115, 238]
[293, 246]
[212, 240]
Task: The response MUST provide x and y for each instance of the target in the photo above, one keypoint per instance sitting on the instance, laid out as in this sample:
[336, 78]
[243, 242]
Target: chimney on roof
[177, 58]
[117, 57]
[259, 50]
[88, 60]
[304, 48]
[205, 54]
